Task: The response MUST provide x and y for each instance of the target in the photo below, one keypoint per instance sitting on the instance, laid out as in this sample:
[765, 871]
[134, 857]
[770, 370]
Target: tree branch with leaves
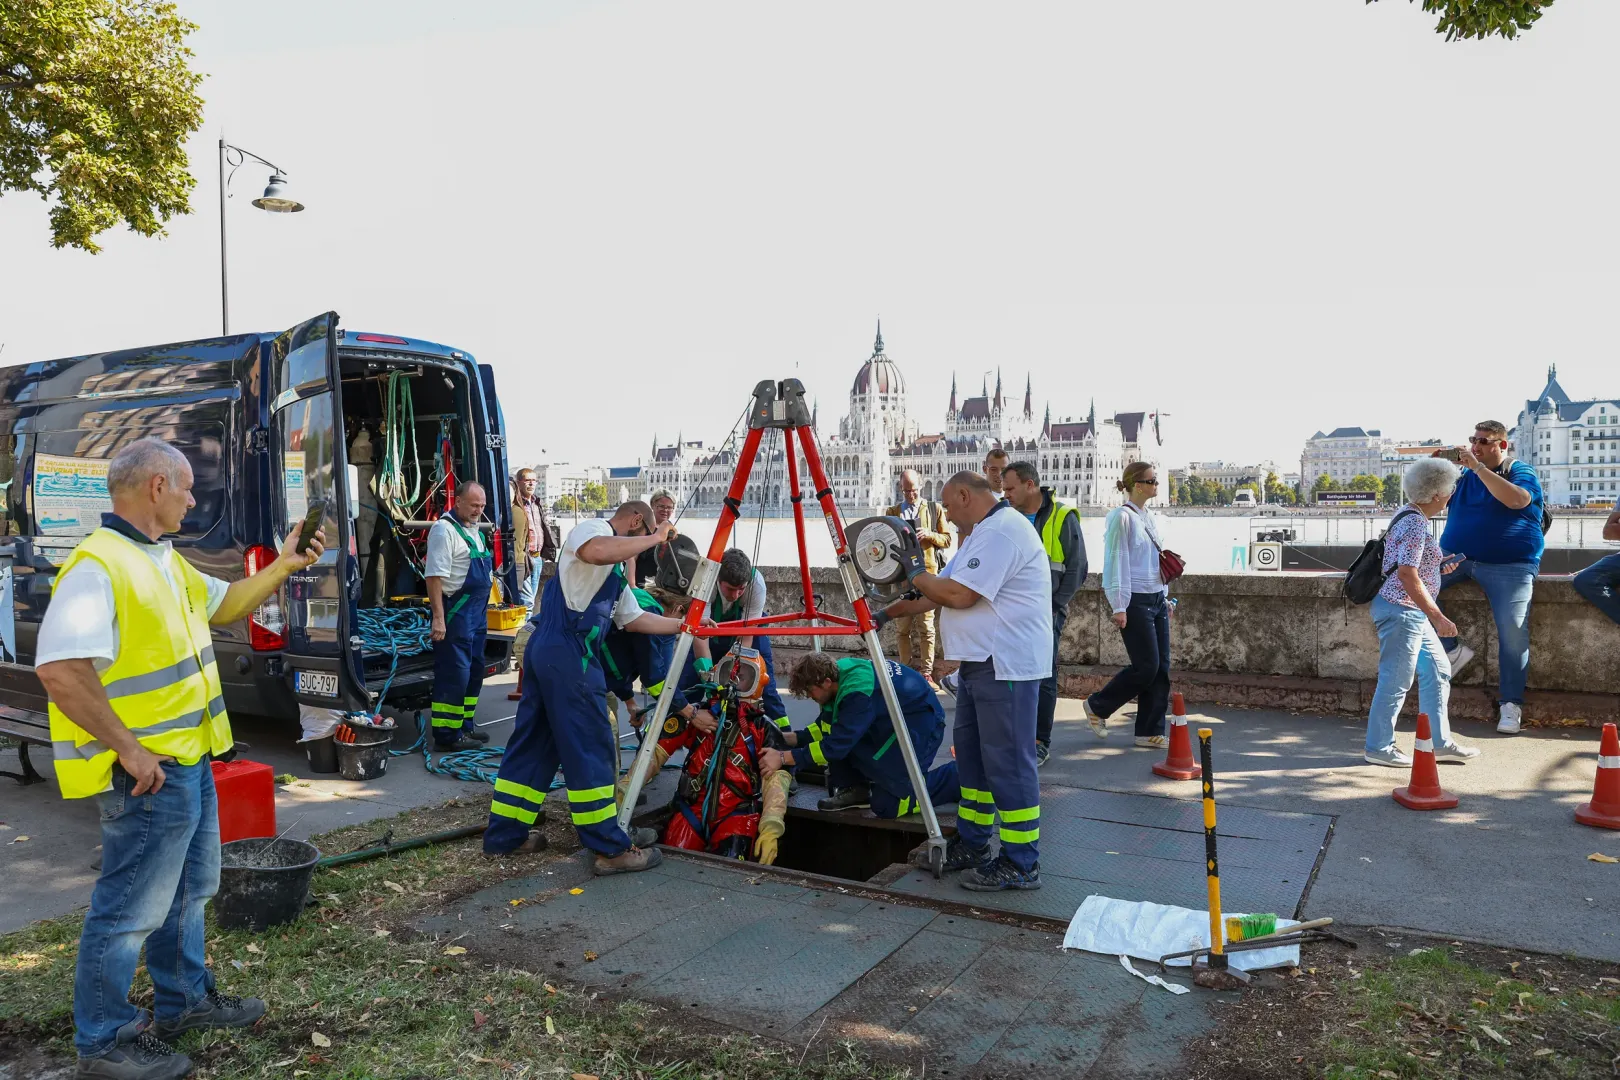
[96, 102]
[1464, 19]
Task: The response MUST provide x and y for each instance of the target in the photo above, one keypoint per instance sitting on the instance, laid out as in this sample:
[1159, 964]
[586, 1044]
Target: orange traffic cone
[1424, 791]
[1604, 809]
[1178, 763]
[517, 692]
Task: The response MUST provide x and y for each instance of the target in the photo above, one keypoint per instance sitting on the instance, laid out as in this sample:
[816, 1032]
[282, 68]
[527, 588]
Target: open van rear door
[493, 422]
[308, 463]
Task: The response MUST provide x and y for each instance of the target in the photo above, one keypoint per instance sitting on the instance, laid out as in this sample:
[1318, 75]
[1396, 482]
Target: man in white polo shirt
[995, 601]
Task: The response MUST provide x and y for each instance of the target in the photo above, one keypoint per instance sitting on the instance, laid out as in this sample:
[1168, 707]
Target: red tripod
[781, 405]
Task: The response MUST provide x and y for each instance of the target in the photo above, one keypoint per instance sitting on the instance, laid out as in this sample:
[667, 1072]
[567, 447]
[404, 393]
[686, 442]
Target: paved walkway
[816, 967]
[1508, 866]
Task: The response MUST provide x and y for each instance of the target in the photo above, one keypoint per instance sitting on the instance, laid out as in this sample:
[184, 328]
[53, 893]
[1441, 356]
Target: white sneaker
[1098, 724]
[1455, 752]
[1156, 741]
[1511, 719]
[1390, 757]
[1460, 658]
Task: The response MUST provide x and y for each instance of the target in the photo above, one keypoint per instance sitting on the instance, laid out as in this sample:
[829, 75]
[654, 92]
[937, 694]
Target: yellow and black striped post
[1217, 949]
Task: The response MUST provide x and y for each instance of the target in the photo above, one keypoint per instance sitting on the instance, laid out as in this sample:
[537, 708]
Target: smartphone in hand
[312, 522]
[1452, 454]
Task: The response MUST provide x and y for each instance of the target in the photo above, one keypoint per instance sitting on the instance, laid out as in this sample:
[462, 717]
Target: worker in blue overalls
[854, 737]
[629, 657]
[458, 573]
[559, 719]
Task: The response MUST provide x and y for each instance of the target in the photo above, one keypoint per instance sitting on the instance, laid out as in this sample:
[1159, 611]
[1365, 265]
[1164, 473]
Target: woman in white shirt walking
[1136, 596]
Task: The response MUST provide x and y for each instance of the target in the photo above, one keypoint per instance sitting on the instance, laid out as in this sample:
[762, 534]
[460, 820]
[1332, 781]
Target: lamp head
[276, 199]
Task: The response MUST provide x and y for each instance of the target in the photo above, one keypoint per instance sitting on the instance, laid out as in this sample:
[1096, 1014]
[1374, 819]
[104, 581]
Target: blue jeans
[1600, 584]
[529, 584]
[1508, 587]
[159, 866]
[1407, 645]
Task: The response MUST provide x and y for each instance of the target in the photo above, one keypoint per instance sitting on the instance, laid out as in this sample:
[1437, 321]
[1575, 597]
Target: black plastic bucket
[263, 883]
[322, 753]
[367, 757]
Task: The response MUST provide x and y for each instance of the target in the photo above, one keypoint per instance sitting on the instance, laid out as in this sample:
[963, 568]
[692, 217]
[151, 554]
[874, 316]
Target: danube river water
[1211, 544]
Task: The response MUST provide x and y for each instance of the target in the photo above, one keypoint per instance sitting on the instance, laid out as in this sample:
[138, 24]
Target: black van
[379, 425]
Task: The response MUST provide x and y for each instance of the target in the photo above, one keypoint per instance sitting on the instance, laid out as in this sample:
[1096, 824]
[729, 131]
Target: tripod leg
[914, 768]
[638, 769]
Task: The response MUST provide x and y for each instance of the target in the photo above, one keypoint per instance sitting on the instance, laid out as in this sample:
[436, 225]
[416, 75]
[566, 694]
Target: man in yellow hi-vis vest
[1059, 526]
[126, 656]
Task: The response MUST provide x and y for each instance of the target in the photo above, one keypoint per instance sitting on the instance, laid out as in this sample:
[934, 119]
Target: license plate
[323, 683]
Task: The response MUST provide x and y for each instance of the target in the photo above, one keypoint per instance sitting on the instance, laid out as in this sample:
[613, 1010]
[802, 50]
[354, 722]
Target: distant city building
[557, 479]
[1397, 456]
[1343, 454]
[1227, 475]
[878, 439]
[624, 482]
[1574, 446]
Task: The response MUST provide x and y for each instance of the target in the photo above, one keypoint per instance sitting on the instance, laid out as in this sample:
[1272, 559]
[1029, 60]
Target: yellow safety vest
[164, 683]
[1052, 533]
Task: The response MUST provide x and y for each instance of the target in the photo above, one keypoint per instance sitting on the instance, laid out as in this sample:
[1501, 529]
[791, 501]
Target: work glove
[765, 844]
[908, 552]
[881, 618]
[705, 669]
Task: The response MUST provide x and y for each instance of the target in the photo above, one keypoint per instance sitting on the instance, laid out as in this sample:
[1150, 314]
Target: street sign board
[1347, 498]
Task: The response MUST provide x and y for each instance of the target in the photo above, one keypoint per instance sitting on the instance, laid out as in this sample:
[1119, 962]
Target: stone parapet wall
[1292, 642]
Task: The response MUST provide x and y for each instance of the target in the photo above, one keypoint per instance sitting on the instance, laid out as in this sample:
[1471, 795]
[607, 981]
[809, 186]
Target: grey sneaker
[1511, 719]
[644, 837]
[958, 856]
[855, 797]
[217, 1010]
[1460, 658]
[1390, 756]
[1455, 752]
[146, 1057]
[951, 683]
[1043, 753]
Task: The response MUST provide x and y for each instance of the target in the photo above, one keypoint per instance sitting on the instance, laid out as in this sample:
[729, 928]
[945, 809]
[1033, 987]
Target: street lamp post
[275, 199]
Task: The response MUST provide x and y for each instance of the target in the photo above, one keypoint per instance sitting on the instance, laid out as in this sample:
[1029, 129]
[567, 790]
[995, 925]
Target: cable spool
[869, 542]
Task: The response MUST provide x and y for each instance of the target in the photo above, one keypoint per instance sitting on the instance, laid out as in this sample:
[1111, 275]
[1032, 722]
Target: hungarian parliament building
[1081, 461]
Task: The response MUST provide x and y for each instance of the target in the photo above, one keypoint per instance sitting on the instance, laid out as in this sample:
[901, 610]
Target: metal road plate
[1144, 847]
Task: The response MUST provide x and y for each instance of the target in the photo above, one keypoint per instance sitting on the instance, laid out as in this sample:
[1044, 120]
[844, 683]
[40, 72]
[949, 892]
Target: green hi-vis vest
[164, 685]
[1052, 535]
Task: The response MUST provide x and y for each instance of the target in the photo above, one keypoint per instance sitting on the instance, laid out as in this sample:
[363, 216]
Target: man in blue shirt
[1494, 521]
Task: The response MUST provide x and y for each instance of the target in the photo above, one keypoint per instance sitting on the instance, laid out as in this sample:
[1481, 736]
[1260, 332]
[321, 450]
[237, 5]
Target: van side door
[307, 465]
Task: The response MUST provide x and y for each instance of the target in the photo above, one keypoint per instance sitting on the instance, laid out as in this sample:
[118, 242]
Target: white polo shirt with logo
[1003, 561]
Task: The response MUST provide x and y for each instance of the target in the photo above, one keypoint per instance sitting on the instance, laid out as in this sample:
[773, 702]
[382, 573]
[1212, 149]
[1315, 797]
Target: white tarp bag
[318, 722]
[1149, 931]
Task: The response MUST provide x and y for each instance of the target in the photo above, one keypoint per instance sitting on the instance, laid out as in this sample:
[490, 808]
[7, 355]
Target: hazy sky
[1262, 218]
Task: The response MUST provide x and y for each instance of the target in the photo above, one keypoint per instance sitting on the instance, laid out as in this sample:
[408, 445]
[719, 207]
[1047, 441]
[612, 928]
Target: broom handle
[1314, 924]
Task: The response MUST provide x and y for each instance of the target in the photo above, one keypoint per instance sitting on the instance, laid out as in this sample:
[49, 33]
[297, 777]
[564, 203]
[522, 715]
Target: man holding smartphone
[1495, 522]
[126, 656]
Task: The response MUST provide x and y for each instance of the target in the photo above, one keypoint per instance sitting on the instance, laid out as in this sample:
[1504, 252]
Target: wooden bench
[30, 729]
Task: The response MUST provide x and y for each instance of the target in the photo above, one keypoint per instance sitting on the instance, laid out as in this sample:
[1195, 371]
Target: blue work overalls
[856, 739]
[458, 660]
[628, 657]
[560, 722]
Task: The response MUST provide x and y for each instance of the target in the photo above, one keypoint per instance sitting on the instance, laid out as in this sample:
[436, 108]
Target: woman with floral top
[1409, 622]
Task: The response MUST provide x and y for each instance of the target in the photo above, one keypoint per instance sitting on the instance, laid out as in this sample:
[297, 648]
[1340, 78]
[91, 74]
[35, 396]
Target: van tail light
[267, 626]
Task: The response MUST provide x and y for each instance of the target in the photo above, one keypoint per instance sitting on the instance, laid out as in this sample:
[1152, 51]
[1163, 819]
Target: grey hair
[133, 466]
[1429, 478]
[661, 493]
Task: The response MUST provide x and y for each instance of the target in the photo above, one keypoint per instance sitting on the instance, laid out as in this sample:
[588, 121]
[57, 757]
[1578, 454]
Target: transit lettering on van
[379, 426]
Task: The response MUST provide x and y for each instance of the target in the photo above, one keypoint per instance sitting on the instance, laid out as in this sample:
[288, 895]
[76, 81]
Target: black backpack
[1366, 575]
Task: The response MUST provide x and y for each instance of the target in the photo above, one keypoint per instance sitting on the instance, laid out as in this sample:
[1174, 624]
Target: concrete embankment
[1288, 642]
